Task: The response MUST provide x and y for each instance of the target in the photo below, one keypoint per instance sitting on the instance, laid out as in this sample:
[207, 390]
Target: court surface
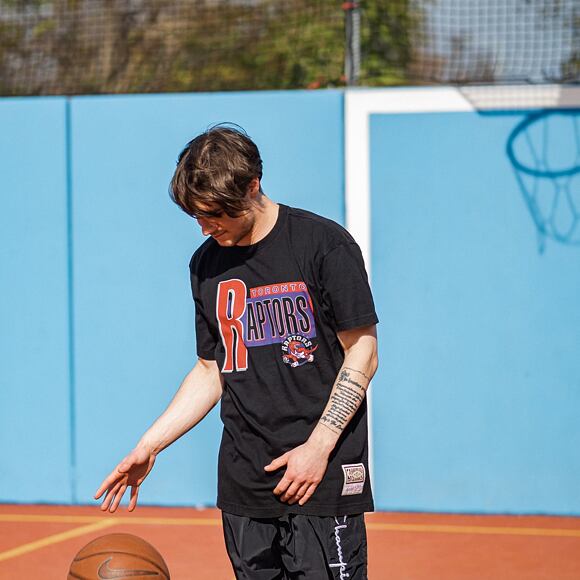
[38, 542]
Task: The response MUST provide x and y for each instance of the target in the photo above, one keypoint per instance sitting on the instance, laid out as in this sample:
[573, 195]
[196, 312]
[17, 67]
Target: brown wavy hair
[215, 169]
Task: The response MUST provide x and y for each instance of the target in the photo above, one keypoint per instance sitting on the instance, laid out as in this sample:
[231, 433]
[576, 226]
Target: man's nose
[206, 226]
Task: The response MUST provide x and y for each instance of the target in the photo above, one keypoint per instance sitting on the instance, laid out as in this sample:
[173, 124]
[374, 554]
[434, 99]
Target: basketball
[118, 556]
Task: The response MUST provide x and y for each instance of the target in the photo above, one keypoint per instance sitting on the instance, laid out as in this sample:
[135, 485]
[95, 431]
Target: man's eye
[209, 214]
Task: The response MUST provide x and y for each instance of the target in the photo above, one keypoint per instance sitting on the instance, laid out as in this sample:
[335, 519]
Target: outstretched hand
[305, 468]
[129, 473]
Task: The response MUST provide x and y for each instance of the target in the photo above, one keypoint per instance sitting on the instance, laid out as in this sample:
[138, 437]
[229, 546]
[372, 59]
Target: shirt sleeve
[345, 287]
[205, 338]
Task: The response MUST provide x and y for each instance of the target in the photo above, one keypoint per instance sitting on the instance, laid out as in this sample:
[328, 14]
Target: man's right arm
[199, 392]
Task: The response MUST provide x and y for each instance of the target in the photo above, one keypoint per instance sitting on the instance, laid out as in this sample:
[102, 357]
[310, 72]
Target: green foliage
[280, 46]
[571, 68]
[386, 41]
[106, 46]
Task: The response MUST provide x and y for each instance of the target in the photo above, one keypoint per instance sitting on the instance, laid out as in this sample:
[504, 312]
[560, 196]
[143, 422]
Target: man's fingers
[300, 493]
[113, 478]
[107, 500]
[308, 494]
[131, 471]
[282, 486]
[277, 463]
[134, 496]
[110, 496]
[291, 491]
[107, 482]
[118, 498]
[102, 506]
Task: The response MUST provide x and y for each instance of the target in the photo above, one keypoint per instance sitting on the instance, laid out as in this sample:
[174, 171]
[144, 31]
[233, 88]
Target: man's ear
[254, 188]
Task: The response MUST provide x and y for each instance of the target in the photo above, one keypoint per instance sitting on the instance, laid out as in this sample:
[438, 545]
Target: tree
[112, 46]
[390, 32]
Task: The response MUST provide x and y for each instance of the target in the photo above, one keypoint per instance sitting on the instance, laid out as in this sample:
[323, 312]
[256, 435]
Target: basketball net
[544, 150]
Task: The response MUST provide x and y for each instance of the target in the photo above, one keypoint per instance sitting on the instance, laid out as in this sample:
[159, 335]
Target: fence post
[352, 48]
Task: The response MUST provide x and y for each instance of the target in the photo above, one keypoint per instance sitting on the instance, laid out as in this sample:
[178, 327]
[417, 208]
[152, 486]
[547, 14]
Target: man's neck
[266, 215]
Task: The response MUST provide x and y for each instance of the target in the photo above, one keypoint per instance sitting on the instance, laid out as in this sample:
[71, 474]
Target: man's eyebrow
[208, 213]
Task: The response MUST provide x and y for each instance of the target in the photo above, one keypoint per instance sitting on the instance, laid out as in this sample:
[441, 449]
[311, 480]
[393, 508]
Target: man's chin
[228, 241]
[224, 241]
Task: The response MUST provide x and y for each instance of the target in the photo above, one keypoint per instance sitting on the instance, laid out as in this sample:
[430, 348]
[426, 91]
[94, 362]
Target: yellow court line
[137, 520]
[172, 521]
[55, 539]
[422, 528]
[44, 519]
[504, 531]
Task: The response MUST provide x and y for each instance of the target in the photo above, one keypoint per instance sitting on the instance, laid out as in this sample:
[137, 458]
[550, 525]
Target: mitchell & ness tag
[354, 478]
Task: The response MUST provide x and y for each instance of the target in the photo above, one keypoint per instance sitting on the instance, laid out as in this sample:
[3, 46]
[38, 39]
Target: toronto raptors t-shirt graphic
[275, 313]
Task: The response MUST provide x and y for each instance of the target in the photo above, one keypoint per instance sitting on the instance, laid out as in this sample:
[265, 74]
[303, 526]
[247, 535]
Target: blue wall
[131, 314]
[475, 402]
[34, 338]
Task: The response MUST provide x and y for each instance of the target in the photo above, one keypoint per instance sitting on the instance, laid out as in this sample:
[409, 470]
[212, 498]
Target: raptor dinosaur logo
[297, 350]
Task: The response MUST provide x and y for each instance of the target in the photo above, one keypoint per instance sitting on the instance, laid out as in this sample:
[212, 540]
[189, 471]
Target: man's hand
[305, 468]
[130, 472]
[199, 392]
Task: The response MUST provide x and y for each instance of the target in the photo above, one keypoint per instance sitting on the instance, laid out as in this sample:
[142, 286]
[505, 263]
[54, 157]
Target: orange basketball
[118, 556]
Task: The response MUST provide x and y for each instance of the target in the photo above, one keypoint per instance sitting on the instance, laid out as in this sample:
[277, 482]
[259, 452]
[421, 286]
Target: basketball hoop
[548, 172]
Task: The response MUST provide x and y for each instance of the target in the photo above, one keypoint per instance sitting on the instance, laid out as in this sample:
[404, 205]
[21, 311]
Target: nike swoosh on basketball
[107, 573]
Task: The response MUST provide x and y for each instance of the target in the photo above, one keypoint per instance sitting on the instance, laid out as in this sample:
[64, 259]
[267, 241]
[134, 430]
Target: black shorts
[294, 547]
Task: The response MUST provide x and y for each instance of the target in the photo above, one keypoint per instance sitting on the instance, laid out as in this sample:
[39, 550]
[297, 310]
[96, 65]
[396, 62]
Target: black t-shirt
[268, 313]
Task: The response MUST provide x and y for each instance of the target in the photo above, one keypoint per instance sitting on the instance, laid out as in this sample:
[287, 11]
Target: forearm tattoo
[347, 395]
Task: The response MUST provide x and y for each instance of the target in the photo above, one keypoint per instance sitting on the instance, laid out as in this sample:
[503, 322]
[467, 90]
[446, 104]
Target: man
[285, 327]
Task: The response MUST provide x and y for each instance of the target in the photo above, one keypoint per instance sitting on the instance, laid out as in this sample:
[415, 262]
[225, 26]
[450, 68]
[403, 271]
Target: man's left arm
[307, 463]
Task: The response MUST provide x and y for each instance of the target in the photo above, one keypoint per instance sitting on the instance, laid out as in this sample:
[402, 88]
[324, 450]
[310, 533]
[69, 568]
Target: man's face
[226, 230]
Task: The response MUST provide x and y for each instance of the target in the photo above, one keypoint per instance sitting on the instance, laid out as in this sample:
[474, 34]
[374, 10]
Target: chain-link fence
[126, 46]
